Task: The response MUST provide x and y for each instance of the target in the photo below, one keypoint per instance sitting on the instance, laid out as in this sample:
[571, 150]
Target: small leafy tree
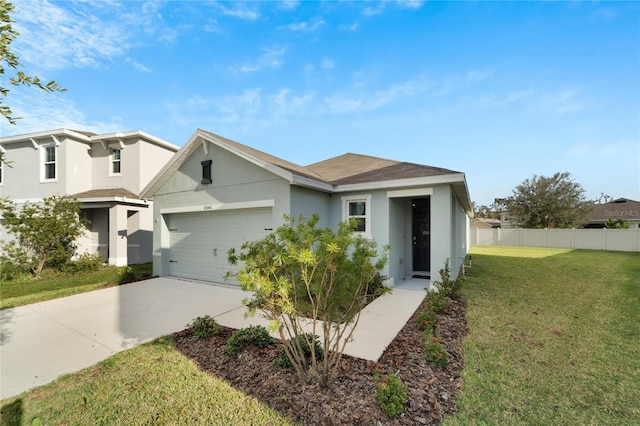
[43, 231]
[310, 281]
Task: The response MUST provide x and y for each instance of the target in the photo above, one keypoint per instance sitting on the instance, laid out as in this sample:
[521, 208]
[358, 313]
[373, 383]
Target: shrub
[126, 275]
[255, 335]
[426, 319]
[9, 271]
[302, 340]
[436, 301]
[433, 350]
[450, 288]
[205, 326]
[331, 268]
[391, 394]
[84, 263]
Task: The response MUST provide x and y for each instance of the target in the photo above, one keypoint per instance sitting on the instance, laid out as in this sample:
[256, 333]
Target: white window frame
[2, 172]
[112, 151]
[363, 198]
[43, 163]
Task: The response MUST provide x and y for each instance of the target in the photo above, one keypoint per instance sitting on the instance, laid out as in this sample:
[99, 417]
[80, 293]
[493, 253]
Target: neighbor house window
[115, 161]
[358, 208]
[206, 171]
[49, 165]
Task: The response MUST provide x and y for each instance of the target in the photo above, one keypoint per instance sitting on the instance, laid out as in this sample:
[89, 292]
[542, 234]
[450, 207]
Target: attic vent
[206, 171]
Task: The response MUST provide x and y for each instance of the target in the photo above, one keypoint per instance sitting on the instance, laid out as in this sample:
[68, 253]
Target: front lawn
[152, 384]
[53, 285]
[554, 338]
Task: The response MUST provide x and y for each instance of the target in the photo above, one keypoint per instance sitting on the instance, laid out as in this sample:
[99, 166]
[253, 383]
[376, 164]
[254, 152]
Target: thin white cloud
[233, 113]
[365, 101]
[289, 4]
[241, 12]
[52, 37]
[270, 58]
[306, 27]
[411, 4]
[376, 9]
[85, 34]
[41, 111]
[138, 66]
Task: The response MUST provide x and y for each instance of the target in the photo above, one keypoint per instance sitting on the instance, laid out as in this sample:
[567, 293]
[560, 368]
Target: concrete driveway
[39, 342]
[42, 341]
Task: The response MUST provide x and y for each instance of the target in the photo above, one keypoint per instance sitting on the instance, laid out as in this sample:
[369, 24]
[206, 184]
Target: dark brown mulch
[350, 400]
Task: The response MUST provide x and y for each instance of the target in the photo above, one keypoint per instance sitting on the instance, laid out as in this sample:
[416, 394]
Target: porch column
[118, 235]
[441, 229]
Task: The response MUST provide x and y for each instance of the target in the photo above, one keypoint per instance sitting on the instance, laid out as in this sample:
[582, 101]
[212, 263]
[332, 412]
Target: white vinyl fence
[593, 239]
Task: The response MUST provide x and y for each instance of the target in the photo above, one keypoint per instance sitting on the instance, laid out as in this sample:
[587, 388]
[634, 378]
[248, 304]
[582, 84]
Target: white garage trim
[220, 206]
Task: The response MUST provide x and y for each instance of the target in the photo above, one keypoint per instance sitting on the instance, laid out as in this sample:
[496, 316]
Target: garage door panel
[199, 242]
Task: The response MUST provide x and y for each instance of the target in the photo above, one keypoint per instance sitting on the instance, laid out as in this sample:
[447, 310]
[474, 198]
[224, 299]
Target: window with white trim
[358, 207]
[49, 163]
[116, 161]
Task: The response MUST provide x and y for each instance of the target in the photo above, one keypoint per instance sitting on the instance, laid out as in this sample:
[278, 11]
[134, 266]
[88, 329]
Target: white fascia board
[400, 183]
[311, 183]
[135, 134]
[119, 200]
[45, 134]
[219, 206]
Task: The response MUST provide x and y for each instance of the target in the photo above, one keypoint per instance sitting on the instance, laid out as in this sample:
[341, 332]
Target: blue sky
[498, 90]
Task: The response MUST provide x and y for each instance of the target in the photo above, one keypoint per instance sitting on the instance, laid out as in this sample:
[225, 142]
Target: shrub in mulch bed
[351, 398]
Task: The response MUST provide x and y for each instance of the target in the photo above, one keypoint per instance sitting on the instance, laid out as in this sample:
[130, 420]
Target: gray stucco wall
[235, 180]
[305, 202]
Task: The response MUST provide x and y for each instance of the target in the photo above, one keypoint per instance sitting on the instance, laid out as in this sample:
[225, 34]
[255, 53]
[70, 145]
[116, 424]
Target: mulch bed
[350, 400]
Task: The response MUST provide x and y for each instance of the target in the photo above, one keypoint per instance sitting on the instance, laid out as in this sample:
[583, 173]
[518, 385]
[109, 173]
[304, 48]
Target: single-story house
[485, 223]
[620, 208]
[215, 194]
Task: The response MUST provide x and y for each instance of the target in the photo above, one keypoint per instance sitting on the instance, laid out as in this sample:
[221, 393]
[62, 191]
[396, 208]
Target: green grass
[554, 338]
[150, 384]
[52, 285]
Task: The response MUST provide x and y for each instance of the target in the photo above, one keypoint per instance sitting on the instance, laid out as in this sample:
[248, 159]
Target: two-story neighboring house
[105, 172]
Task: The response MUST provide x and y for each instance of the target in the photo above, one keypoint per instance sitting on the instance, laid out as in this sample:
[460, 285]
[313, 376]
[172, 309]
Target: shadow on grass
[11, 414]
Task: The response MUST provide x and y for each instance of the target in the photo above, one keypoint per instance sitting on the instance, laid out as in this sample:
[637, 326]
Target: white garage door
[199, 241]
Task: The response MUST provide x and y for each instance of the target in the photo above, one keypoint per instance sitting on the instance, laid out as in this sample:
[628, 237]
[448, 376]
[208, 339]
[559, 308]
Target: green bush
[436, 301]
[255, 335]
[84, 263]
[433, 350]
[126, 275]
[205, 326]
[450, 288]
[391, 395]
[9, 271]
[426, 319]
[302, 340]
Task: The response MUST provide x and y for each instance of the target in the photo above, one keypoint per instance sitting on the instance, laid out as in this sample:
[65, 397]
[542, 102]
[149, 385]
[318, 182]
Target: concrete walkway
[42, 341]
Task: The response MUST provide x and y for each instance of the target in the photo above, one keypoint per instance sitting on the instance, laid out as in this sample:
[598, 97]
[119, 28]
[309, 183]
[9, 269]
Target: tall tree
[549, 202]
[8, 59]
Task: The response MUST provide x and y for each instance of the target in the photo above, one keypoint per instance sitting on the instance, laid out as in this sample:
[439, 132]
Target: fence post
[573, 238]
[604, 238]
